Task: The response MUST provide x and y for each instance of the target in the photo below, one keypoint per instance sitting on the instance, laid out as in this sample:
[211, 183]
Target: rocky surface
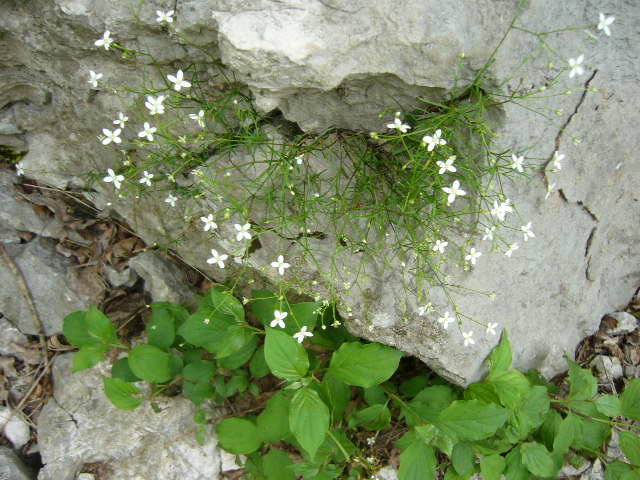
[11, 467]
[163, 279]
[53, 285]
[79, 426]
[343, 63]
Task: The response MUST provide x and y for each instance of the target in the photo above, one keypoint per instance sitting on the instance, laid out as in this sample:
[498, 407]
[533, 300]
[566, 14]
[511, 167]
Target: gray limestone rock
[10, 339]
[626, 323]
[47, 275]
[125, 278]
[343, 63]
[163, 279]
[18, 214]
[12, 468]
[79, 425]
[607, 368]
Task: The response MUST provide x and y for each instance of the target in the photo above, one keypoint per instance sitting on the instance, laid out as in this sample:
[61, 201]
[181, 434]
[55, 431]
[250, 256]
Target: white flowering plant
[415, 196]
[324, 404]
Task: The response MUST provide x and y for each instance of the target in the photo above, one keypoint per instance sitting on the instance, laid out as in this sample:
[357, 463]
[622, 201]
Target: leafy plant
[331, 397]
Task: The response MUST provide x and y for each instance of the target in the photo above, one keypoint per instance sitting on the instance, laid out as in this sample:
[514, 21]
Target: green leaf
[376, 417]
[308, 419]
[501, 356]
[428, 404]
[100, 327]
[594, 433]
[176, 364]
[630, 445]
[149, 363]
[549, 429]
[286, 358]
[609, 405]
[568, 431]
[515, 469]
[482, 391]
[492, 467]
[258, 366]
[88, 356]
[197, 392]
[161, 329]
[537, 459]
[410, 388]
[426, 433]
[304, 313]
[630, 400]
[199, 371]
[336, 395]
[204, 330]
[121, 393]
[375, 395]
[263, 303]
[273, 421]
[364, 365]
[583, 384]
[122, 371]
[76, 330]
[241, 356]
[471, 420]
[275, 465]
[617, 470]
[418, 462]
[238, 435]
[462, 459]
[528, 416]
[511, 387]
[218, 300]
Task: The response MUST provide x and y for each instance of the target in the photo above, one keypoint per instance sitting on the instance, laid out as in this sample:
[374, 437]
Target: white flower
[549, 190]
[278, 319]
[512, 248]
[576, 66]
[171, 200]
[440, 246]
[217, 258]
[146, 178]
[20, 169]
[198, 117]
[209, 223]
[473, 256]
[446, 319]
[93, 78]
[434, 141]
[110, 136]
[122, 119]
[467, 338]
[178, 81]
[488, 233]
[243, 231]
[155, 105]
[371, 441]
[557, 158]
[301, 334]
[105, 41]
[500, 211]
[447, 166]
[604, 24]
[299, 159]
[453, 191]
[517, 162]
[164, 17]
[491, 328]
[398, 125]
[147, 132]
[112, 177]
[280, 265]
[424, 309]
[526, 230]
